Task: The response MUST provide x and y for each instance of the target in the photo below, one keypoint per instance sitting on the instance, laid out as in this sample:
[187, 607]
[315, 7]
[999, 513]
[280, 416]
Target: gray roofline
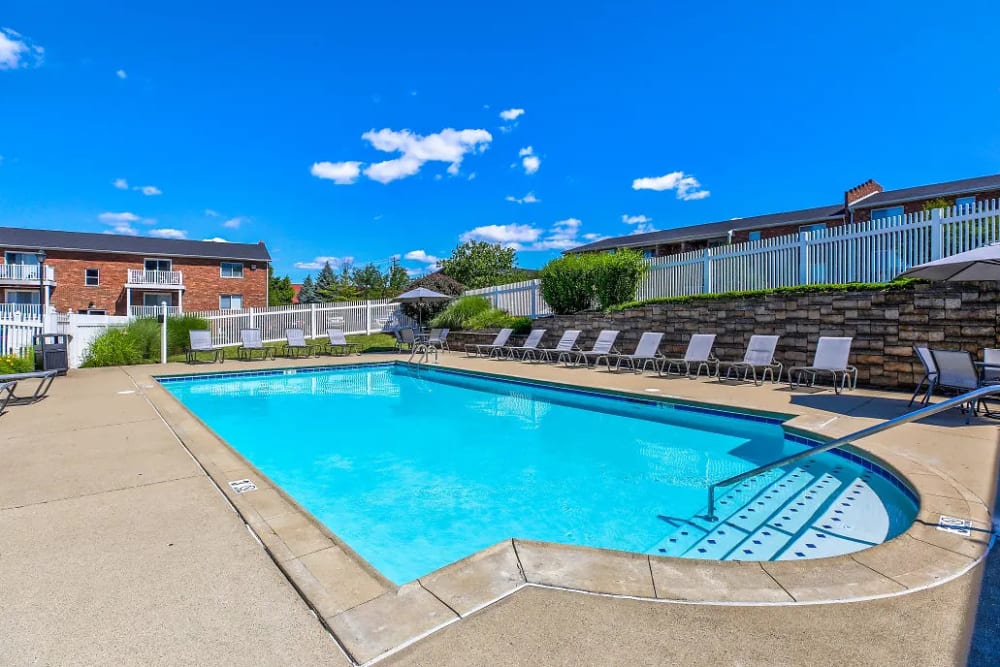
[32, 248]
[903, 200]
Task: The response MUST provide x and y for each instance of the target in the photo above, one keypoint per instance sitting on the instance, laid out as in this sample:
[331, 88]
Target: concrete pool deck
[98, 486]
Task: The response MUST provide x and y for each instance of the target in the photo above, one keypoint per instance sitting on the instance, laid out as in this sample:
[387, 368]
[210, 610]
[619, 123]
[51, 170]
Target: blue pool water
[417, 468]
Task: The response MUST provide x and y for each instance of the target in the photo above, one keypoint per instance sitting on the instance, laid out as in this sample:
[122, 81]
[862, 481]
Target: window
[155, 298]
[232, 269]
[92, 278]
[230, 301]
[886, 213]
[25, 258]
[815, 227]
[754, 235]
[22, 297]
[965, 204]
[158, 265]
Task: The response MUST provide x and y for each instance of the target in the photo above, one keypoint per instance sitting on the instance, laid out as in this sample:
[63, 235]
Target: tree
[370, 282]
[478, 264]
[345, 288]
[397, 279]
[279, 291]
[437, 282]
[307, 293]
[326, 284]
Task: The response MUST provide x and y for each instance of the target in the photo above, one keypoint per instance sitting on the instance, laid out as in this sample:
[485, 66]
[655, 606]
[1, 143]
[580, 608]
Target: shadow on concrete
[871, 407]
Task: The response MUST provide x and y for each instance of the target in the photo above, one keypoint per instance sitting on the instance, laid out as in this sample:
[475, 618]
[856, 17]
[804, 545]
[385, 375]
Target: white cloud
[318, 262]
[414, 273]
[529, 198]
[687, 186]
[212, 213]
[234, 223]
[512, 235]
[17, 51]
[120, 183]
[121, 74]
[635, 219]
[590, 238]
[341, 173]
[421, 256]
[217, 239]
[168, 233]
[561, 235]
[148, 190]
[511, 114]
[529, 160]
[115, 218]
[448, 145]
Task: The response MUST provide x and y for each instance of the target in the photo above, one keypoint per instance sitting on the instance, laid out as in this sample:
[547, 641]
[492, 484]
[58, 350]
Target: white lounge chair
[337, 340]
[295, 344]
[759, 356]
[831, 357]
[251, 341]
[200, 342]
[603, 346]
[698, 353]
[530, 344]
[930, 374]
[439, 339]
[494, 348]
[647, 351]
[567, 343]
[957, 371]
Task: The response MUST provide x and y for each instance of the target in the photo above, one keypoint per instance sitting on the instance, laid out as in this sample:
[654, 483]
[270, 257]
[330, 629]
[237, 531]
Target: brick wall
[884, 325]
[202, 280]
[743, 235]
[864, 214]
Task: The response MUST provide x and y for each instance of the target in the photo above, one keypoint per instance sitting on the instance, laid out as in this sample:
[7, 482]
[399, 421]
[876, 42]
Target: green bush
[177, 333]
[567, 283]
[617, 276]
[114, 347]
[17, 363]
[458, 313]
[494, 318]
[139, 341]
[145, 335]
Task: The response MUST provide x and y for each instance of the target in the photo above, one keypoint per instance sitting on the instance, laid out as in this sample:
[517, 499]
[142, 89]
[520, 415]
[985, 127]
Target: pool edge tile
[473, 582]
[586, 568]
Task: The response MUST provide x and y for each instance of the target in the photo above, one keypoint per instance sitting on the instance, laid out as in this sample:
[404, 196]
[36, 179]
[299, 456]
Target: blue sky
[368, 130]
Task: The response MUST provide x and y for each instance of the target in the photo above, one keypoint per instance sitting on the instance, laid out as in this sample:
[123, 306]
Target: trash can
[52, 352]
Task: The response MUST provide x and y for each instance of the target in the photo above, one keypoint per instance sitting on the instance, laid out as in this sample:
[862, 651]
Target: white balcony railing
[19, 311]
[157, 278]
[27, 273]
[153, 311]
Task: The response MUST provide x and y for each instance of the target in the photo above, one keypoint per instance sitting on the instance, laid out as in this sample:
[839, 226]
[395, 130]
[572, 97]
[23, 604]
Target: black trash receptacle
[52, 352]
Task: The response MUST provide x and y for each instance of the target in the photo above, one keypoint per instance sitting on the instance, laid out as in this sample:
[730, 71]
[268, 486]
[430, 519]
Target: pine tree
[326, 284]
[345, 289]
[279, 290]
[307, 293]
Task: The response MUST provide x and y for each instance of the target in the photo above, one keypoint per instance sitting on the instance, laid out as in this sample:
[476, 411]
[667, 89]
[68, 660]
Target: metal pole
[163, 332]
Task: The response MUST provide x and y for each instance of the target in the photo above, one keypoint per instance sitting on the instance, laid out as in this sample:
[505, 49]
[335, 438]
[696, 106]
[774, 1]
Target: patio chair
[567, 343]
[530, 344]
[493, 348]
[759, 356]
[603, 346]
[831, 357]
[647, 351]
[405, 337]
[250, 342]
[957, 371]
[337, 340]
[45, 380]
[200, 342]
[699, 353]
[991, 365]
[439, 339]
[930, 374]
[6, 394]
[295, 344]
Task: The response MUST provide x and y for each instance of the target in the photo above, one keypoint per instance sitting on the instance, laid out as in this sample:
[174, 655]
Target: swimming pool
[415, 468]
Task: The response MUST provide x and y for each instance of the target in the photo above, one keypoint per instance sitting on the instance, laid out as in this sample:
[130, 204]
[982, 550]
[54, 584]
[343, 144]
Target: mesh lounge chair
[567, 343]
[831, 357]
[405, 337]
[494, 348]
[957, 371]
[699, 353]
[200, 342]
[337, 340]
[930, 374]
[439, 338]
[251, 342]
[530, 344]
[991, 362]
[603, 347]
[295, 344]
[646, 351]
[759, 356]
[45, 379]
[6, 394]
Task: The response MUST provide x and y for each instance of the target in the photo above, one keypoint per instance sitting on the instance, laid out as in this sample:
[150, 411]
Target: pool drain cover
[242, 486]
[952, 524]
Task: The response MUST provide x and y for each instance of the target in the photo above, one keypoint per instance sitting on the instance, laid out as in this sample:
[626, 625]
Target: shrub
[567, 283]
[617, 276]
[458, 313]
[16, 363]
[139, 341]
[177, 333]
[437, 282]
[114, 347]
[145, 336]
[494, 318]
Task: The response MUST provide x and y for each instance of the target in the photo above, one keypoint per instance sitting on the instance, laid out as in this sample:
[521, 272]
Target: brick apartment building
[865, 202]
[118, 275]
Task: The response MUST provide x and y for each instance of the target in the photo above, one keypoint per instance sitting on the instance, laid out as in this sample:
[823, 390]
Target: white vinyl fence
[17, 335]
[82, 330]
[873, 252]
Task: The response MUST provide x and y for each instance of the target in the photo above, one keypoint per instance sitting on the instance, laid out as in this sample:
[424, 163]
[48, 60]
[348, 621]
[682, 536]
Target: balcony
[25, 274]
[153, 311]
[161, 279]
[19, 312]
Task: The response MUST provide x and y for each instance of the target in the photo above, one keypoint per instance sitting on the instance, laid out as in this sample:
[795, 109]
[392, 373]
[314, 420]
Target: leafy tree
[307, 293]
[345, 289]
[370, 282]
[327, 287]
[480, 264]
[397, 279]
[280, 291]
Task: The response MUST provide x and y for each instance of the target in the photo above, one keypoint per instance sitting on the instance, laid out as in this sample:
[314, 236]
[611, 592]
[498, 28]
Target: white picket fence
[873, 252]
[354, 317]
[17, 335]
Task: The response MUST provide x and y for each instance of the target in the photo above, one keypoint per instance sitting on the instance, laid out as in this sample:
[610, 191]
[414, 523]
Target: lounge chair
[930, 374]
[337, 339]
[251, 341]
[698, 353]
[405, 337]
[603, 347]
[957, 371]
[6, 394]
[530, 344]
[45, 379]
[831, 358]
[647, 351]
[295, 344]
[439, 338]
[200, 342]
[493, 348]
[759, 356]
[567, 343]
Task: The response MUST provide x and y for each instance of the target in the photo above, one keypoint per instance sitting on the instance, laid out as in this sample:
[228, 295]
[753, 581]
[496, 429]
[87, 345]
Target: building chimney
[859, 192]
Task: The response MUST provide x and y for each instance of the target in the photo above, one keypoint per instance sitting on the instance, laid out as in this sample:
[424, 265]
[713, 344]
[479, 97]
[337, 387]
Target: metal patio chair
[759, 356]
[200, 342]
[831, 357]
[647, 351]
[698, 353]
[251, 341]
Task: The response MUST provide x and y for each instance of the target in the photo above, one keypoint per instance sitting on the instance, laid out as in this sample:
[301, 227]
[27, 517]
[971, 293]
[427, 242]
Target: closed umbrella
[973, 265]
[420, 296]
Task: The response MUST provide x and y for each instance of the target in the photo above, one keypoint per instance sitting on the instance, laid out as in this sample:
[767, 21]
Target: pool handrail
[968, 399]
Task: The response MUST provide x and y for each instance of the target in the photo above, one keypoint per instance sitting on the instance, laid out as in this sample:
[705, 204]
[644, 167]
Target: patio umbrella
[973, 265]
[420, 296]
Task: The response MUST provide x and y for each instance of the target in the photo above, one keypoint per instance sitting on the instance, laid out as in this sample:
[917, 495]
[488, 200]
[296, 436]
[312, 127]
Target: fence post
[937, 237]
[803, 258]
[706, 272]
[312, 319]
[368, 317]
[250, 319]
[496, 296]
[535, 285]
